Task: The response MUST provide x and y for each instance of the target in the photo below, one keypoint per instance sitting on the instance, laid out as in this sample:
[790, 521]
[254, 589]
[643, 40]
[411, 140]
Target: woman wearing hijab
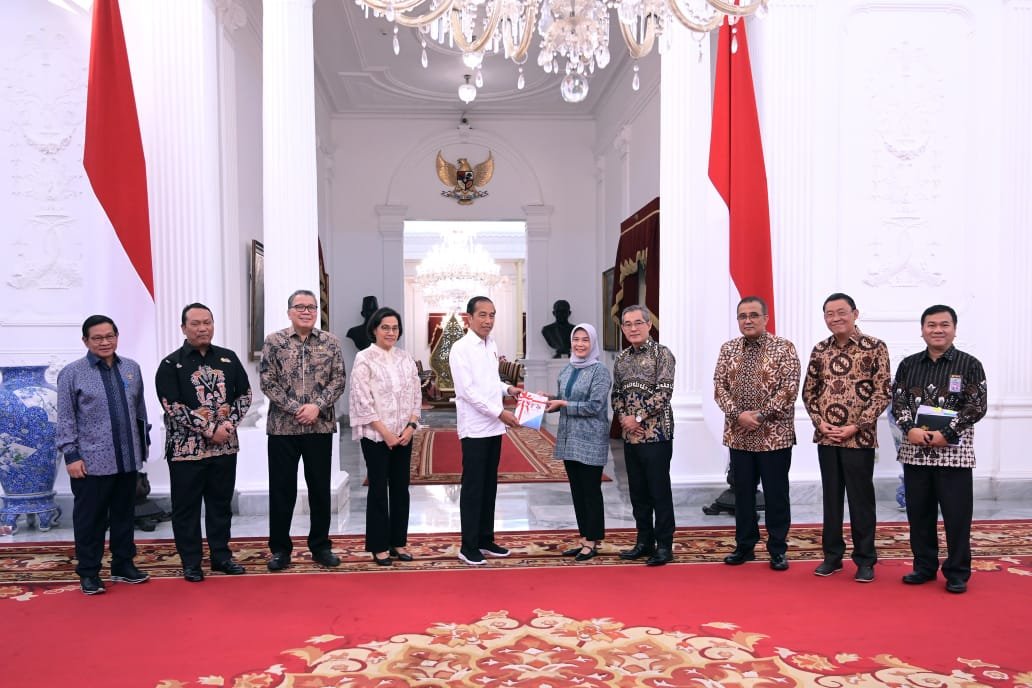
[384, 404]
[582, 441]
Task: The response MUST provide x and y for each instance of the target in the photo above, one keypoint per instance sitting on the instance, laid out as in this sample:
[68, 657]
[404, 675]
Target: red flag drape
[113, 154]
[736, 167]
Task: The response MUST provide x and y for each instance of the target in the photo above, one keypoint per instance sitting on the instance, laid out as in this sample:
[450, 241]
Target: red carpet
[526, 458]
[587, 625]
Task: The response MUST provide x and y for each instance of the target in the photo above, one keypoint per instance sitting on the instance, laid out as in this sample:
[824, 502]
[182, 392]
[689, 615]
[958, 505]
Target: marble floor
[532, 506]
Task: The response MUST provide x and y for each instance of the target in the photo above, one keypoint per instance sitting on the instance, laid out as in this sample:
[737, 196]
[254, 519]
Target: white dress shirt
[478, 387]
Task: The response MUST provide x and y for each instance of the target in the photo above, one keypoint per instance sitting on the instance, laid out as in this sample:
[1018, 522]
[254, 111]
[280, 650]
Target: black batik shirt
[198, 393]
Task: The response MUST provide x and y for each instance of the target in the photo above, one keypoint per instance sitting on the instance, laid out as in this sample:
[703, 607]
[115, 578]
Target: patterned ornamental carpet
[526, 458]
[33, 563]
[534, 620]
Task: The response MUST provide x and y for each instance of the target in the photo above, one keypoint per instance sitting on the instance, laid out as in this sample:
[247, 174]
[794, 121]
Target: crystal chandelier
[455, 270]
[574, 34]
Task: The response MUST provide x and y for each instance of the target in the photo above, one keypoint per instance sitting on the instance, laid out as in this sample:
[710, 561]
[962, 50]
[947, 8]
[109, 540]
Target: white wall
[391, 162]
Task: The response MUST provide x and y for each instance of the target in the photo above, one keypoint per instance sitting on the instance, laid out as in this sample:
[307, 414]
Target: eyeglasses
[750, 316]
[635, 324]
[98, 338]
[390, 328]
[305, 308]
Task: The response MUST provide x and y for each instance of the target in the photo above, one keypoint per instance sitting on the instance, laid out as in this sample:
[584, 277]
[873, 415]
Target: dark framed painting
[610, 328]
[256, 325]
[324, 292]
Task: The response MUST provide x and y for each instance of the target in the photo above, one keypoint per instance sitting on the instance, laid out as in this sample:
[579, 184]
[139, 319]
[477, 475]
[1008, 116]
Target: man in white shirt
[481, 421]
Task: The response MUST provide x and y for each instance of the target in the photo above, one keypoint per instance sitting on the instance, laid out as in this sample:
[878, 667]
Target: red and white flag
[736, 167]
[114, 162]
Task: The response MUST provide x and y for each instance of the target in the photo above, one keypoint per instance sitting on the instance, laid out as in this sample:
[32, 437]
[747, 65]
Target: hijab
[593, 355]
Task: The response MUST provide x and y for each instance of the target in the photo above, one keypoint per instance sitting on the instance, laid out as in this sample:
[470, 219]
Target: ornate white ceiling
[356, 66]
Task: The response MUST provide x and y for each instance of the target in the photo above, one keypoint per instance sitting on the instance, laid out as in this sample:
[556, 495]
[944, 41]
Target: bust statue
[358, 333]
[557, 333]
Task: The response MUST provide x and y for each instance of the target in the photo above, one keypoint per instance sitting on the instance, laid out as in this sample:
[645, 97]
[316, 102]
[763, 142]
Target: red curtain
[636, 273]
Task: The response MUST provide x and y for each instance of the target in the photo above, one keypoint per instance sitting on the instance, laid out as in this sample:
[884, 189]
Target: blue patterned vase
[28, 454]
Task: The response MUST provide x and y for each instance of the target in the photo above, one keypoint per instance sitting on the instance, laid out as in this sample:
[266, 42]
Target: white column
[290, 199]
[391, 220]
[539, 230]
[179, 94]
[174, 55]
[693, 239]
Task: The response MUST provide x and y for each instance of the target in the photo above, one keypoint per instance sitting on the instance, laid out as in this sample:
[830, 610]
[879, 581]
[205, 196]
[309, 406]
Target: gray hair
[637, 307]
[300, 292]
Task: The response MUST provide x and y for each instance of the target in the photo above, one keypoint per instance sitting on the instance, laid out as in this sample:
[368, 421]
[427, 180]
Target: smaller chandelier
[455, 270]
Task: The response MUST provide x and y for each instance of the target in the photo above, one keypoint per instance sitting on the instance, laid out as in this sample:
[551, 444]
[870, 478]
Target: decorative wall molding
[232, 15]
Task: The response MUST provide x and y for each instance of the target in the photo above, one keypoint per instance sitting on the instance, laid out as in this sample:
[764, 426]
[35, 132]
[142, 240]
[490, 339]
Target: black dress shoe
[637, 552]
[739, 556]
[826, 568]
[400, 556]
[193, 574]
[956, 586]
[779, 562]
[91, 585]
[228, 567]
[279, 561]
[128, 573]
[326, 557]
[917, 578]
[572, 552]
[385, 561]
[661, 556]
[584, 556]
[864, 574]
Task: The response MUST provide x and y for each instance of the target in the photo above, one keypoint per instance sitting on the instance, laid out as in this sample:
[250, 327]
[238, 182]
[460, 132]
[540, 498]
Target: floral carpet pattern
[552, 650]
[28, 568]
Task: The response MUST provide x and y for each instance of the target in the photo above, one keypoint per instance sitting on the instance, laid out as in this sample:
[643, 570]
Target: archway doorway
[502, 242]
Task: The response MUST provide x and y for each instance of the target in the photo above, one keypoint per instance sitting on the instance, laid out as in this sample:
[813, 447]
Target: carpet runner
[526, 458]
[587, 625]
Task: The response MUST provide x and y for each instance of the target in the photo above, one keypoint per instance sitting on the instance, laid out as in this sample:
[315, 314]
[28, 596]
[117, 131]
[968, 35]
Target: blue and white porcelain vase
[28, 452]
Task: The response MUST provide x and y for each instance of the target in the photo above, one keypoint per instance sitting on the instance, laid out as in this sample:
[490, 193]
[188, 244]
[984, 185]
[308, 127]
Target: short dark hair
[839, 296]
[377, 317]
[191, 307]
[753, 299]
[471, 305]
[300, 292]
[937, 308]
[95, 320]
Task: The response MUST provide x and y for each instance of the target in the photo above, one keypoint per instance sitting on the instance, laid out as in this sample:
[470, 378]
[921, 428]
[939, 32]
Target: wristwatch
[637, 418]
[412, 424]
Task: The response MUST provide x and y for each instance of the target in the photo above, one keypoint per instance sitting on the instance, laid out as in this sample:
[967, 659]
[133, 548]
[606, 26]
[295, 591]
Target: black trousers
[586, 490]
[930, 488]
[770, 468]
[648, 481]
[387, 501]
[211, 480]
[480, 457]
[848, 472]
[101, 500]
[284, 453]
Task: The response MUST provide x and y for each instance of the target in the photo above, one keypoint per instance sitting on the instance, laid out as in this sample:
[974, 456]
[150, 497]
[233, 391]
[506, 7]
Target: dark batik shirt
[954, 381]
[848, 385]
[295, 372]
[643, 384]
[762, 375]
[199, 393]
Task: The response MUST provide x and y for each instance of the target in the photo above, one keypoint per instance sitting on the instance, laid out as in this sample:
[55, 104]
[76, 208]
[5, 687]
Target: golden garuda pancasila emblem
[462, 180]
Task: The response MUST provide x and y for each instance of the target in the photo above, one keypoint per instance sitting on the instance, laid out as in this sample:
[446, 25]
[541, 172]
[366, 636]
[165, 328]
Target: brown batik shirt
[295, 372]
[848, 385]
[643, 384]
[762, 375]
